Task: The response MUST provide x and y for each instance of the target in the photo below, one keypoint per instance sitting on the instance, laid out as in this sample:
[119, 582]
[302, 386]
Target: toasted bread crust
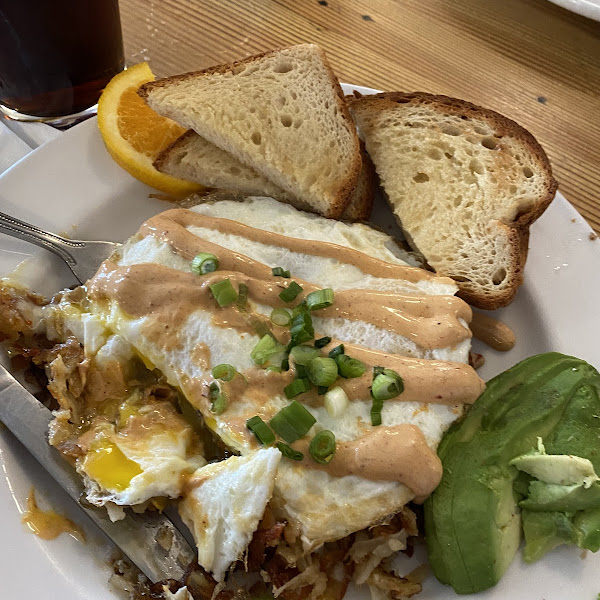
[518, 230]
[163, 157]
[145, 89]
[346, 187]
[363, 197]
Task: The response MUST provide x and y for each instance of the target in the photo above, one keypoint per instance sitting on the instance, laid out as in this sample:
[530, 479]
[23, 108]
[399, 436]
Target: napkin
[18, 138]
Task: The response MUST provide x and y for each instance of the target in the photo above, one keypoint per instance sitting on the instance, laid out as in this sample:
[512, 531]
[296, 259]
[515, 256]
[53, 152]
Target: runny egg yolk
[109, 467]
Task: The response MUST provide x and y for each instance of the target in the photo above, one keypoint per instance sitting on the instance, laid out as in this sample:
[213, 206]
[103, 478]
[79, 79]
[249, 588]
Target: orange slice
[134, 134]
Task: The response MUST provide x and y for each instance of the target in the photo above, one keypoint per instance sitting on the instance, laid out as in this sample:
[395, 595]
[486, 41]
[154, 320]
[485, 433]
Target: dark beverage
[56, 56]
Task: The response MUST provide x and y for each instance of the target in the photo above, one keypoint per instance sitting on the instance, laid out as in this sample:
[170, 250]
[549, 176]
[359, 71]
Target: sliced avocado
[521, 484]
[588, 523]
[579, 429]
[545, 531]
[558, 469]
[472, 521]
[576, 516]
[564, 498]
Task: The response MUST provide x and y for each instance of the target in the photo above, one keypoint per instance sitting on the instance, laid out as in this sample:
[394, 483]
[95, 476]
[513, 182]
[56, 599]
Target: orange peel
[134, 134]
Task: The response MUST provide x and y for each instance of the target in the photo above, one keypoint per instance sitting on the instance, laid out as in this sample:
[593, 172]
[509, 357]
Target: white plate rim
[585, 8]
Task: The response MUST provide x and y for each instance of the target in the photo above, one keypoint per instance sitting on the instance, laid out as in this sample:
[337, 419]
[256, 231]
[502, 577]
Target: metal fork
[82, 257]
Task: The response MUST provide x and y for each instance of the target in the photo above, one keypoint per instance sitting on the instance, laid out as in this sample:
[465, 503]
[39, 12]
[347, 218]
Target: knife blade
[136, 535]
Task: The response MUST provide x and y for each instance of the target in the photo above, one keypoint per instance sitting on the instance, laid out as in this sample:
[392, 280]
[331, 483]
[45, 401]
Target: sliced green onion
[292, 422]
[336, 402]
[302, 355]
[291, 292]
[322, 371]
[261, 430]
[204, 263]
[301, 329]
[281, 317]
[298, 386]
[322, 447]
[349, 367]
[242, 298]
[219, 404]
[300, 308]
[321, 390]
[260, 327]
[289, 452]
[300, 371]
[387, 385]
[218, 399]
[273, 368]
[223, 292]
[376, 409]
[336, 351]
[265, 348]
[280, 272]
[319, 299]
[224, 372]
[322, 342]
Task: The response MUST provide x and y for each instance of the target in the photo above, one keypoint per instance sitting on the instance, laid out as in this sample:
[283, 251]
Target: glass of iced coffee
[56, 56]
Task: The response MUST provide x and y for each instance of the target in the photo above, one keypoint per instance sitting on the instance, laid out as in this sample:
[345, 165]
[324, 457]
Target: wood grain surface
[528, 59]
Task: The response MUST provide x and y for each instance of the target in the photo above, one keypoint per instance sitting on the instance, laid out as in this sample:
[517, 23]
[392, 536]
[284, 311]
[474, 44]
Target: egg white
[225, 504]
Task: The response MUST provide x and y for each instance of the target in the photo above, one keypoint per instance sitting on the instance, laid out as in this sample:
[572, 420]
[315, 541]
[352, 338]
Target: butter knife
[136, 535]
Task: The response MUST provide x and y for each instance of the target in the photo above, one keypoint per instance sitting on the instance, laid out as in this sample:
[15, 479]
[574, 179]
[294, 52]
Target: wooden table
[528, 59]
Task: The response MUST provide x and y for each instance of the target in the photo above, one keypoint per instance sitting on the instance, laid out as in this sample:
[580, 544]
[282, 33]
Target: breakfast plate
[73, 187]
[586, 8]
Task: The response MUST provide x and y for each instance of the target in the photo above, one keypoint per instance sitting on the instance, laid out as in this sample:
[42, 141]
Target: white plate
[586, 8]
[71, 185]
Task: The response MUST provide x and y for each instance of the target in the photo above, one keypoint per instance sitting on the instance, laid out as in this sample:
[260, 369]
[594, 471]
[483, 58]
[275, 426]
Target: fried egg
[185, 344]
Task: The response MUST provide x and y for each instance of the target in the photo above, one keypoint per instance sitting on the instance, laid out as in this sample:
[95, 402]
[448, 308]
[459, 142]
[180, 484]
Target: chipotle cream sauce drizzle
[48, 524]
[425, 381]
[172, 295]
[150, 289]
[398, 453]
[170, 226]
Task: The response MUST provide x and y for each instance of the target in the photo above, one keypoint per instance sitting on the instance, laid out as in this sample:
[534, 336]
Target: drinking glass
[56, 56]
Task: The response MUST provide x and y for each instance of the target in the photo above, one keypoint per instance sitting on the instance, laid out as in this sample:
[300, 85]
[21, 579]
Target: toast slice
[464, 182]
[282, 113]
[192, 158]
